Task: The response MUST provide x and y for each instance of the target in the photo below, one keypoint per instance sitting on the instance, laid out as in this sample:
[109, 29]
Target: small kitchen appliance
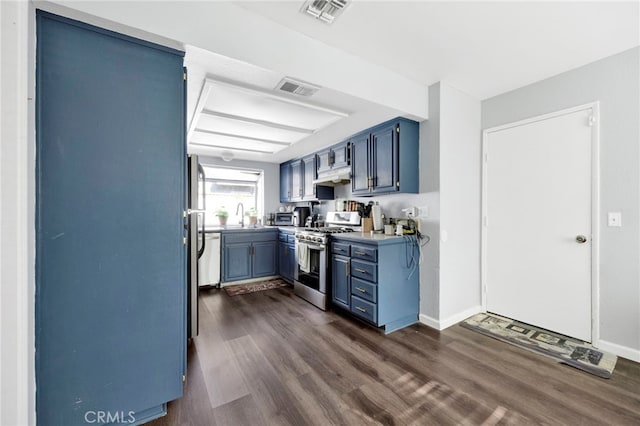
[283, 219]
[300, 215]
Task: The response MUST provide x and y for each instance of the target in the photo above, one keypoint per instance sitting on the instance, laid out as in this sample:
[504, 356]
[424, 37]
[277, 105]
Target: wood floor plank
[270, 358]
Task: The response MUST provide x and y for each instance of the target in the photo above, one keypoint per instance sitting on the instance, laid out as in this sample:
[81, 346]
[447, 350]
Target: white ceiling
[203, 66]
[482, 48]
[378, 58]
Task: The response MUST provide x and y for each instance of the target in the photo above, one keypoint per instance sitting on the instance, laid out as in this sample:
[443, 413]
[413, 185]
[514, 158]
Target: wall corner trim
[621, 351]
[451, 320]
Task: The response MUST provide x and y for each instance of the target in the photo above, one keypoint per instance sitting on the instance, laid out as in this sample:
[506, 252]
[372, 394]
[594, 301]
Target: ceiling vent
[324, 10]
[296, 87]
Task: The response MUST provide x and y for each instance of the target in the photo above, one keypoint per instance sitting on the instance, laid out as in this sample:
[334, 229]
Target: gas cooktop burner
[329, 230]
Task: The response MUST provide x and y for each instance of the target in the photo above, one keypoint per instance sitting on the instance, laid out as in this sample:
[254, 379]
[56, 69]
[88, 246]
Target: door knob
[581, 239]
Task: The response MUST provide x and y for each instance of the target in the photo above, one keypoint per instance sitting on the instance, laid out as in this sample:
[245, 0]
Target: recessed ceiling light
[324, 10]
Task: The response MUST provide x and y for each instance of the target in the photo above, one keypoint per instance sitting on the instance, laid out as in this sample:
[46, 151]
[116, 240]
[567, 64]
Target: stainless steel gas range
[311, 278]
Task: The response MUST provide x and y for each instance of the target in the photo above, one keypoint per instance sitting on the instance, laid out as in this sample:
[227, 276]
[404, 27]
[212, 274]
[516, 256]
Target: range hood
[334, 177]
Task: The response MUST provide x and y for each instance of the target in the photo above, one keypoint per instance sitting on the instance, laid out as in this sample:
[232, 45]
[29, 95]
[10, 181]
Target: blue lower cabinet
[249, 255]
[237, 261]
[340, 281]
[364, 309]
[286, 261]
[286, 255]
[264, 259]
[384, 289]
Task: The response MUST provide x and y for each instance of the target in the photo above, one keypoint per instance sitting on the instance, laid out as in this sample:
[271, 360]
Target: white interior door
[537, 204]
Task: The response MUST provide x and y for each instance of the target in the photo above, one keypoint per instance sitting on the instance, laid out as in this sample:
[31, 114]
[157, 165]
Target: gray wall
[615, 82]
[271, 178]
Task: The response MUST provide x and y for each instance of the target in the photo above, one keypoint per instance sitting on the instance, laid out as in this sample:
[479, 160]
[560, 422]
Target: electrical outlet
[614, 219]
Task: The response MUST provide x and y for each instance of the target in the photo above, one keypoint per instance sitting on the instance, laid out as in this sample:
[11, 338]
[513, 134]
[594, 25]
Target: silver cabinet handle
[581, 239]
[346, 269]
[361, 309]
[360, 253]
[360, 289]
[362, 271]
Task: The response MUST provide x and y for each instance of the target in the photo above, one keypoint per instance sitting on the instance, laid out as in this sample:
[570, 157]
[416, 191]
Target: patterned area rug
[234, 290]
[566, 350]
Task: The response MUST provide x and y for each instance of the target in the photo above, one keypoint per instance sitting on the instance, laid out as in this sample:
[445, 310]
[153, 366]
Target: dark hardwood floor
[272, 358]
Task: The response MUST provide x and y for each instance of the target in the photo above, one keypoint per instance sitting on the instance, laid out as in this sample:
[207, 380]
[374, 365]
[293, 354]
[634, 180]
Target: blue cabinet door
[360, 164]
[340, 281]
[264, 259]
[309, 170]
[323, 159]
[293, 264]
[384, 159]
[297, 178]
[286, 259]
[285, 182]
[237, 261]
[340, 155]
[110, 314]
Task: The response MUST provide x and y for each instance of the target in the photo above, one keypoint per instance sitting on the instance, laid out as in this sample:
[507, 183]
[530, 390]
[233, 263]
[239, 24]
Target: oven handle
[313, 246]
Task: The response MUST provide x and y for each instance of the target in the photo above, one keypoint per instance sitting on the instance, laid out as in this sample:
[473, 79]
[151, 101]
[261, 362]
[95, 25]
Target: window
[225, 188]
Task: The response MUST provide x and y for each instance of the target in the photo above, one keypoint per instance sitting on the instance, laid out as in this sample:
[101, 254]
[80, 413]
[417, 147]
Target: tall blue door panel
[110, 262]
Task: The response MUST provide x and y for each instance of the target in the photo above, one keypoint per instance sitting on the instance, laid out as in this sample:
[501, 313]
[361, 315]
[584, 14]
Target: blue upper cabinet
[340, 155]
[324, 161]
[360, 164]
[384, 159]
[297, 180]
[334, 157]
[285, 182]
[309, 174]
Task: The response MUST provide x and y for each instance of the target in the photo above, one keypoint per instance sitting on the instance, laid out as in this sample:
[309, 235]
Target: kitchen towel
[302, 250]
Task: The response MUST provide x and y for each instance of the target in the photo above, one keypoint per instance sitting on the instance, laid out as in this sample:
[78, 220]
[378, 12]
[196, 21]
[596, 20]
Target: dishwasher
[209, 263]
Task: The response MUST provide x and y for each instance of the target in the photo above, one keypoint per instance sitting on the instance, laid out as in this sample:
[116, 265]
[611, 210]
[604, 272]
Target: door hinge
[184, 76]
[184, 378]
[398, 184]
[184, 241]
[592, 120]
[398, 129]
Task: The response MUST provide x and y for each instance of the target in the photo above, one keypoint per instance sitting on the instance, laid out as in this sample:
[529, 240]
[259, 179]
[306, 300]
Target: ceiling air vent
[296, 87]
[324, 10]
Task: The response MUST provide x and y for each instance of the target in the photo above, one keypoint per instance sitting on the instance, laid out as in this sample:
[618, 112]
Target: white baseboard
[430, 322]
[453, 319]
[621, 351]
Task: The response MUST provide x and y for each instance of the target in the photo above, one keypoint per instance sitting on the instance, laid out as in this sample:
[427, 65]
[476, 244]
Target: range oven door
[311, 283]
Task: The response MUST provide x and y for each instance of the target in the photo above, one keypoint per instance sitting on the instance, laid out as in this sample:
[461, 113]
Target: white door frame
[595, 206]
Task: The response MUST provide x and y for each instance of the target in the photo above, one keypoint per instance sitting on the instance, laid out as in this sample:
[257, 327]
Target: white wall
[615, 82]
[17, 237]
[460, 189]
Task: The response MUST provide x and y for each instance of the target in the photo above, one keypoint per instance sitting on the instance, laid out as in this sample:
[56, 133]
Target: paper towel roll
[376, 214]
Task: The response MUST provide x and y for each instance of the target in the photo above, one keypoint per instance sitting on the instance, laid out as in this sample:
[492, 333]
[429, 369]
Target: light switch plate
[614, 219]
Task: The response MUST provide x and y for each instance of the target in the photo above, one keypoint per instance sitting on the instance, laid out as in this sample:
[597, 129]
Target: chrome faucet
[242, 215]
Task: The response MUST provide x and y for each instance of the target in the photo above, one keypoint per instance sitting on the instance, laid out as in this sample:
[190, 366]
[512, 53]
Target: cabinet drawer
[291, 238]
[282, 237]
[364, 252]
[340, 248]
[365, 270]
[364, 289]
[364, 309]
[249, 237]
